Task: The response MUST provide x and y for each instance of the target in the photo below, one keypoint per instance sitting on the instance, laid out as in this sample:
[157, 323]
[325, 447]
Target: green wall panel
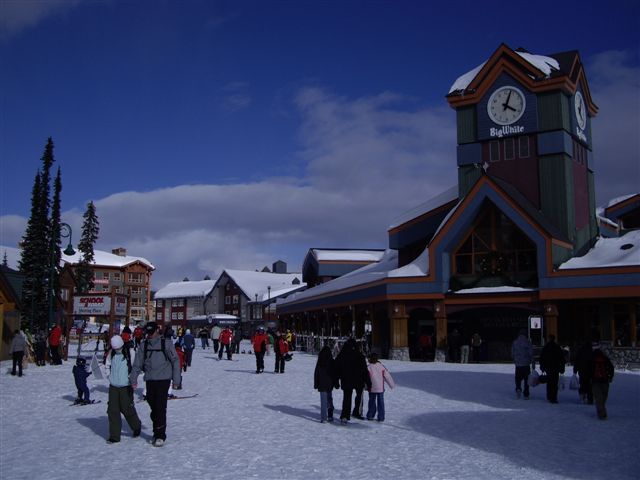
[556, 192]
[466, 120]
[553, 111]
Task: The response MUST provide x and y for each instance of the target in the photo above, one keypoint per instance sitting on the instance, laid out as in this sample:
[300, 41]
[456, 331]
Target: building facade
[123, 274]
[514, 245]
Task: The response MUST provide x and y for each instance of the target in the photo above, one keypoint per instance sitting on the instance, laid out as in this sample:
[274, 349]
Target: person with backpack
[281, 348]
[602, 375]
[552, 362]
[120, 391]
[160, 364]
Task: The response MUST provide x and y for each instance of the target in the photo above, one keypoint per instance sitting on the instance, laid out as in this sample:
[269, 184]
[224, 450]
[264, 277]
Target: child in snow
[181, 357]
[120, 391]
[80, 374]
[324, 380]
[379, 375]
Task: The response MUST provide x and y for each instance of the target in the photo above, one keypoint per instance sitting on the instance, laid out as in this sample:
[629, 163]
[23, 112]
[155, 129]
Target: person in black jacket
[583, 367]
[351, 367]
[324, 380]
[552, 363]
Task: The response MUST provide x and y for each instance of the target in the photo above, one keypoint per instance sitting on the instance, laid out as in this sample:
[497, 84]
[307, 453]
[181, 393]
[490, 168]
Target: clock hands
[505, 105]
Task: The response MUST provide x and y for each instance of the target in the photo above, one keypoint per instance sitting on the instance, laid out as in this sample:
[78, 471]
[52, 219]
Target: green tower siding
[556, 192]
[593, 224]
[553, 112]
[560, 254]
[466, 119]
[467, 178]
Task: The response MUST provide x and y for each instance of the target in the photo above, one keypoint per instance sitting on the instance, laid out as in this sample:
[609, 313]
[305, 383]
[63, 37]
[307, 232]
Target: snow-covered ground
[444, 421]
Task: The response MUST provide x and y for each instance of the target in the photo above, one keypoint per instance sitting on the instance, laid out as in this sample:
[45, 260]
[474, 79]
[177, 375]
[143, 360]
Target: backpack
[600, 367]
[151, 350]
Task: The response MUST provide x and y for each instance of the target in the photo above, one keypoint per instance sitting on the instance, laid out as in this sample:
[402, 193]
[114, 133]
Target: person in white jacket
[379, 375]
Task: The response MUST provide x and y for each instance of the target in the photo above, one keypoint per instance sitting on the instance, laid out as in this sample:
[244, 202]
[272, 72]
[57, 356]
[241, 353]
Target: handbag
[534, 378]
[542, 378]
[287, 357]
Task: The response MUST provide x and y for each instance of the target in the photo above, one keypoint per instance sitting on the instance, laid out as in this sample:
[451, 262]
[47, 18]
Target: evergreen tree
[90, 231]
[5, 263]
[56, 234]
[36, 259]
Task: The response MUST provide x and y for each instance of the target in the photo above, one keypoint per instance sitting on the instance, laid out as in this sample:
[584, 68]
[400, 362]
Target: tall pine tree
[90, 231]
[38, 242]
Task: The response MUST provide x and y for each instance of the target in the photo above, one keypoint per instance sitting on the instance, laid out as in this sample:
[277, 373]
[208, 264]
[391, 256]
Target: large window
[495, 247]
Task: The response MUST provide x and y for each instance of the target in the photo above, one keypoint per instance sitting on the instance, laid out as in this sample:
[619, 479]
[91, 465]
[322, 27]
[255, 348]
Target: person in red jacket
[54, 344]
[225, 342]
[137, 336]
[259, 342]
[281, 348]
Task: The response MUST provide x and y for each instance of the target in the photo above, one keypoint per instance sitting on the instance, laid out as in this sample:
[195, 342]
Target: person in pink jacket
[379, 375]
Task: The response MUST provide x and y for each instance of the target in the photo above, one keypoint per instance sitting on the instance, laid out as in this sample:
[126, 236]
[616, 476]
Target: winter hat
[117, 342]
[188, 332]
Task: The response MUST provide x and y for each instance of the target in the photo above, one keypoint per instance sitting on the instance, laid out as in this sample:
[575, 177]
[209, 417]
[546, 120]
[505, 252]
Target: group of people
[20, 344]
[592, 365]
[350, 372]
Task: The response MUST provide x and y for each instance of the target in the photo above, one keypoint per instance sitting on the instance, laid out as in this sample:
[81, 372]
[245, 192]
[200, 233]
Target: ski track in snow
[443, 421]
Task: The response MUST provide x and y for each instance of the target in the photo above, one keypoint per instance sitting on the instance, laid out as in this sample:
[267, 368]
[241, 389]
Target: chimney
[120, 251]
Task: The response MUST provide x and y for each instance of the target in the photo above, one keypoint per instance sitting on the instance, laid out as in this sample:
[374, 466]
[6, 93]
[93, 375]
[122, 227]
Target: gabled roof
[538, 73]
[264, 285]
[199, 289]
[106, 259]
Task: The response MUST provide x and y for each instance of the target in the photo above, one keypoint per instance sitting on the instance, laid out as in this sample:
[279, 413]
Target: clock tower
[525, 120]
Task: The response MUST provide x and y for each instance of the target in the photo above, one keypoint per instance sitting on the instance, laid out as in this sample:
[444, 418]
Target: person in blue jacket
[80, 375]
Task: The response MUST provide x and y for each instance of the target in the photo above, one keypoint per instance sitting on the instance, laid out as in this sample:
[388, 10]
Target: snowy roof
[441, 199]
[609, 252]
[387, 267]
[328, 255]
[543, 63]
[257, 283]
[186, 289]
[106, 259]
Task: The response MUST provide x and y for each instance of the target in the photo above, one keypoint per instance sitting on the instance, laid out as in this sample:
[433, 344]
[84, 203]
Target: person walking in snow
[160, 364]
[204, 337]
[522, 354]
[359, 391]
[584, 368]
[281, 348]
[120, 391]
[40, 340]
[552, 362]
[80, 375]
[215, 337]
[601, 376]
[188, 344]
[17, 348]
[259, 343]
[379, 375]
[225, 343]
[324, 380]
[351, 368]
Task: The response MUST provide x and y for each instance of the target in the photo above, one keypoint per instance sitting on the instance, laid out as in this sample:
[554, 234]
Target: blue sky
[216, 135]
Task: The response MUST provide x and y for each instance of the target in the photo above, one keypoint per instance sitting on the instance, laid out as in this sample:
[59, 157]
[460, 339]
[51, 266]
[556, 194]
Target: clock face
[581, 111]
[506, 105]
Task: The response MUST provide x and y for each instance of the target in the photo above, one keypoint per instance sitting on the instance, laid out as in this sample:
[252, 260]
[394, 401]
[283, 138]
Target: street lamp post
[65, 232]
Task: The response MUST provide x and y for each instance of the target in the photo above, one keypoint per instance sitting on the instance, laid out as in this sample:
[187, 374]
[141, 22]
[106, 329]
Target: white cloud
[368, 161]
[16, 15]
[615, 88]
